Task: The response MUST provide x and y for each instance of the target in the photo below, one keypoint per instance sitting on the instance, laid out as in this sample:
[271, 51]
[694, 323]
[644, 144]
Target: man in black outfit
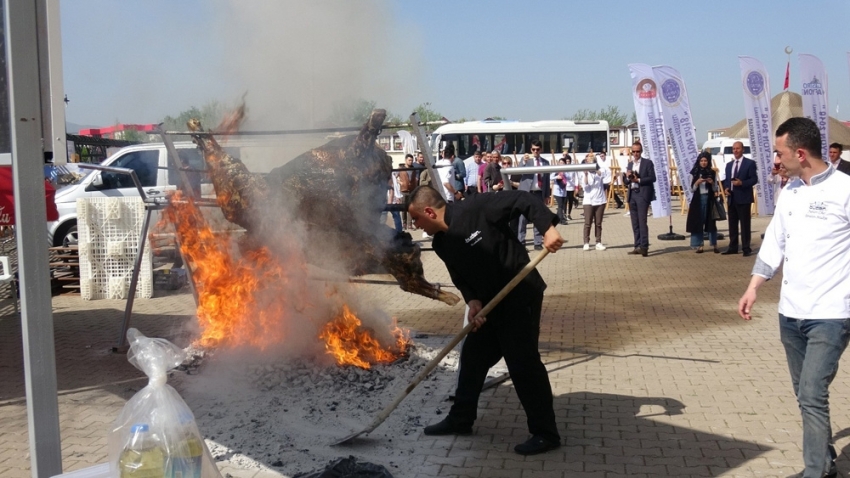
[482, 253]
[741, 176]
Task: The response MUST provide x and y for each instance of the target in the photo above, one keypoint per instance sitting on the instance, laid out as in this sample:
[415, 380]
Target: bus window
[384, 142]
[500, 143]
[397, 143]
[568, 141]
[595, 141]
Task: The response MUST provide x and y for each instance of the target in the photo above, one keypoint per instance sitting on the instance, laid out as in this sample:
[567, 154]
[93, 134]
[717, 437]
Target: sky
[296, 61]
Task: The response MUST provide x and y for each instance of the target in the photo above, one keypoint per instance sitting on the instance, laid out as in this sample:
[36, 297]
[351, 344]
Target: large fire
[244, 297]
[350, 344]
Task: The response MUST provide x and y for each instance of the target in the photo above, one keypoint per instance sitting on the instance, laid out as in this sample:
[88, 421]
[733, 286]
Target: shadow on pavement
[84, 339]
[628, 435]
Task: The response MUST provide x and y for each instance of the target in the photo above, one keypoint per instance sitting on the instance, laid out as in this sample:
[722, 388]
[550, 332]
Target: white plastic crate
[109, 230]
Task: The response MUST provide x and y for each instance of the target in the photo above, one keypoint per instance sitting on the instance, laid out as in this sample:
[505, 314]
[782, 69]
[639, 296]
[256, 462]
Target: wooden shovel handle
[463, 333]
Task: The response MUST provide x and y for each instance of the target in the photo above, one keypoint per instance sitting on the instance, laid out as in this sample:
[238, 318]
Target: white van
[148, 160]
[721, 151]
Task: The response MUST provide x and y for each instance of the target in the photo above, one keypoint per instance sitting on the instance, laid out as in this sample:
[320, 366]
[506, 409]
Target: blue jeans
[813, 349]
[698, 238]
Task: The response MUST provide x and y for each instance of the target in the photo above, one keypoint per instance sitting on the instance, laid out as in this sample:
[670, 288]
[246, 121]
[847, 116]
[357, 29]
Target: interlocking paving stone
[652, 371]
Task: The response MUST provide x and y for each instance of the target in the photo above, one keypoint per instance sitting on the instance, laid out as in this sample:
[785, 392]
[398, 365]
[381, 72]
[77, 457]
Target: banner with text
[754, 80]
[651, 127]
[815, 97]
[676, 111]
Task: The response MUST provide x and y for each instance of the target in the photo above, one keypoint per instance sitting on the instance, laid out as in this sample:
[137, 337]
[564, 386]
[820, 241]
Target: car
[148, 160]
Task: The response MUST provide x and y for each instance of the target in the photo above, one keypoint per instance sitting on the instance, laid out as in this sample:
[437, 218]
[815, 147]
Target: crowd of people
[808, 237]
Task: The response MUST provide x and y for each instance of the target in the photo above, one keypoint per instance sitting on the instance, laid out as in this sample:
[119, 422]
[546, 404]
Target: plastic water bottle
[142, 457]
[185, 459]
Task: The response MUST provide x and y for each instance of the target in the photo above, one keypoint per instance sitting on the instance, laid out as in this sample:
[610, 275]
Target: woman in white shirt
[594, 202]
[559, 191]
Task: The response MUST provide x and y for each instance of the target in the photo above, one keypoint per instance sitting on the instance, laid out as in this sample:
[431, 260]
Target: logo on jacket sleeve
[473, 238]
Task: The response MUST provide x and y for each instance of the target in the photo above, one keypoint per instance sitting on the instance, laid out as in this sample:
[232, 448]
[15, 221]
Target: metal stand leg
[134, 279]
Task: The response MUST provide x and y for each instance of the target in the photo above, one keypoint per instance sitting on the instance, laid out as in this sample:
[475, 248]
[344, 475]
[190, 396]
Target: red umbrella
[7, 199]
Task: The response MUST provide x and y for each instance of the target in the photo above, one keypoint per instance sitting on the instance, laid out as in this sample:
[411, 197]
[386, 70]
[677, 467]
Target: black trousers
[740, 213]
[638, 209]
[512, 331]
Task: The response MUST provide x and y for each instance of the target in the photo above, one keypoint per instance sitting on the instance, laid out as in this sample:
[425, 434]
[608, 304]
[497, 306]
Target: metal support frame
[506, 172]
[21, 25]
[426, 149]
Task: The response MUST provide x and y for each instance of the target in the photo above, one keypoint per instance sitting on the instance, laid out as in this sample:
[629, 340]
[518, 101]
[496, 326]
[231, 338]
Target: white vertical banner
[676, 111]
[815, 97]
[651, 127]
[754, 81]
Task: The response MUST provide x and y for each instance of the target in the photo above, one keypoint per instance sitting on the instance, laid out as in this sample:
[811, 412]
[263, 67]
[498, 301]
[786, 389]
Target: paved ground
[653, 372]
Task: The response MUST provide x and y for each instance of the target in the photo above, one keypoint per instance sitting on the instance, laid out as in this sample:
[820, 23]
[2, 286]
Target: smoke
[297, 59]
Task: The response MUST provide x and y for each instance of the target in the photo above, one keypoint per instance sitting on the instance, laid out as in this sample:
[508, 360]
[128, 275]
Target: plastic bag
[156, 426]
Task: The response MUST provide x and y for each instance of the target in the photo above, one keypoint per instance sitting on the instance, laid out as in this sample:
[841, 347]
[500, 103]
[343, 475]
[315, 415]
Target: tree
[135, 136]
[610, 113]
[427, 114]
[350, 112]
[210, 115]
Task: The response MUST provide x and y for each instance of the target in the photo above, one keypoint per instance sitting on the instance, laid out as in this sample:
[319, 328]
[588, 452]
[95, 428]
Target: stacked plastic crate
[109, 235]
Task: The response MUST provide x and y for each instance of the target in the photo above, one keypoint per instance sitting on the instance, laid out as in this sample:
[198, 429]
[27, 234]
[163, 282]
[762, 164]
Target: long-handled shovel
[433, 363]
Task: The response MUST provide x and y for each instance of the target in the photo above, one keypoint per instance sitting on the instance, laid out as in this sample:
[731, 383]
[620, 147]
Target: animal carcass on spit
[338, 191]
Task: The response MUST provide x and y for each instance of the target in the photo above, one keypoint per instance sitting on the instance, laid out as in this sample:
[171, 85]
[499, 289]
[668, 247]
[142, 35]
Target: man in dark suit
[538, 185]
[741, 176]
[835, 158]
[641, 177]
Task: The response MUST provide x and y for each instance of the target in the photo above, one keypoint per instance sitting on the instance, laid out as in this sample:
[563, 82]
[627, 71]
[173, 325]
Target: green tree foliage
[210, 115]
[610, 113]
[427, 114]
[350, 112]
[135, 136]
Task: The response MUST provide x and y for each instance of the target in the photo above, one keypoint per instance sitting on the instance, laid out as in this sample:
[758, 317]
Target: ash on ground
[283, 416]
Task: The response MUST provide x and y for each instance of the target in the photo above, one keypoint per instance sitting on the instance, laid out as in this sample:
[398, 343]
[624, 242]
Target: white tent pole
[22, 52]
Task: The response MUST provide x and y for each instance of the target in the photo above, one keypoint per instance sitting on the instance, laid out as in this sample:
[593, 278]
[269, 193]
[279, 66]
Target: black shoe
[644, 251]
[536, 445]
[538, 248]
[729, 252]
[748, 253]
[447, 427]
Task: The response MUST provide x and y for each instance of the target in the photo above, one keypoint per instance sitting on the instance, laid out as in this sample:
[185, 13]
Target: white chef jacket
[809, 236]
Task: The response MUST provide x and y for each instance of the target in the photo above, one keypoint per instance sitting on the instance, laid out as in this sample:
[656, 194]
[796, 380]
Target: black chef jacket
[480, 249]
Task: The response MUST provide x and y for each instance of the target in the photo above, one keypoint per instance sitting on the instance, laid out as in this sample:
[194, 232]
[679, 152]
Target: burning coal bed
[282, 416]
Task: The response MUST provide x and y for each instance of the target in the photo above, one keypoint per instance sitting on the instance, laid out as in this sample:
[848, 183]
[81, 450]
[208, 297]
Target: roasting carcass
[337, 190]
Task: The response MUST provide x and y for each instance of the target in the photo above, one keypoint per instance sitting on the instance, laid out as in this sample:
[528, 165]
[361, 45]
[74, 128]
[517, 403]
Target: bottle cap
[139, 427]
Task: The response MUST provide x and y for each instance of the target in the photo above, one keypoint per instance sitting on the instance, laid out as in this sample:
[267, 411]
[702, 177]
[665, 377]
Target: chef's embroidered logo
[473, 238]
[817, 209]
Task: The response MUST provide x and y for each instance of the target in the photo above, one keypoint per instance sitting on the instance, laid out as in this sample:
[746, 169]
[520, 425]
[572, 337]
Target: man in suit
[641, 181]
[538, 185]
[835, 158]
[741, 176]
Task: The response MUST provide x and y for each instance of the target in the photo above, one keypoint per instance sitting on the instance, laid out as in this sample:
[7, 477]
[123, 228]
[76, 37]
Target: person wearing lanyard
[538, 185]
[809, 237]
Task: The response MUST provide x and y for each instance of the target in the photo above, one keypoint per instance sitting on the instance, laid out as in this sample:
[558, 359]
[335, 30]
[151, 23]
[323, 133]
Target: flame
[247, 298]
[350, 344]
[241, 297]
